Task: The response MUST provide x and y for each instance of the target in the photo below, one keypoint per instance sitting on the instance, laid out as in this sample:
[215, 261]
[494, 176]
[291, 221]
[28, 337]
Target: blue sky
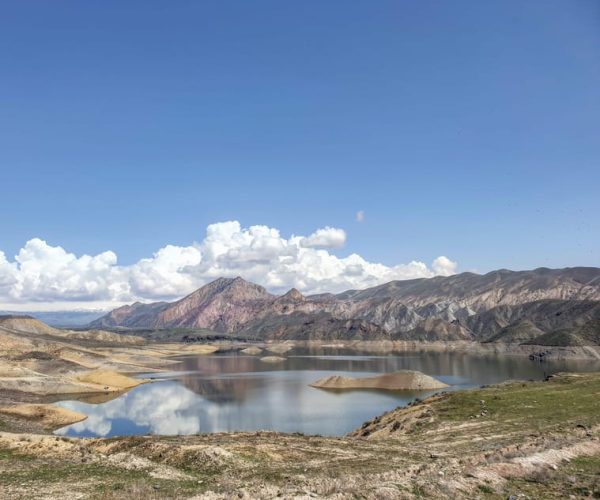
[468, 129]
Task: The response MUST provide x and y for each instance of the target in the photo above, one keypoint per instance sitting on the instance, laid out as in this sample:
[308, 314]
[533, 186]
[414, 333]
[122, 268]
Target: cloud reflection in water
[275, 401]
[223, 393]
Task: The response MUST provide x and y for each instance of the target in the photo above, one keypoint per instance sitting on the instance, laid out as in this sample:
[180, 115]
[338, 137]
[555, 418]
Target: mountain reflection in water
[234, 392]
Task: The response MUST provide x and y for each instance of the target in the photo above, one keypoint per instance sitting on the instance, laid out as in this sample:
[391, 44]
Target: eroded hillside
[463, 307]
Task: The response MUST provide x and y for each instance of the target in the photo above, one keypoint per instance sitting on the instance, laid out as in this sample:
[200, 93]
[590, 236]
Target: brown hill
[27, 324]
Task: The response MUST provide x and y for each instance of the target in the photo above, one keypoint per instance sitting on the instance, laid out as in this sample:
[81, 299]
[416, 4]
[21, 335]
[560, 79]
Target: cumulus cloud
[42, 273]
[443, 266]
[164, 274]
[45, 273]
[328, 237]
[8, 272]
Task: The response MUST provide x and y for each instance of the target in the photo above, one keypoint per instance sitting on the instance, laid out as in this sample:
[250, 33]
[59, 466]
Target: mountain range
[542, 306]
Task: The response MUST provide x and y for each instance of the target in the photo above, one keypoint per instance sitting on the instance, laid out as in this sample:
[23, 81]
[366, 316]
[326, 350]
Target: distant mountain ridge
[60, 319]
[465, 306]
[492, 289]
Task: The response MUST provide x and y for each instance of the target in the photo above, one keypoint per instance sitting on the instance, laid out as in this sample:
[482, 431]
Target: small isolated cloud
[360, 216]
[45, 274]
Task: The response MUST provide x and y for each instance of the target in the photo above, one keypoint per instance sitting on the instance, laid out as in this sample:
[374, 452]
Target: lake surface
[237, 392]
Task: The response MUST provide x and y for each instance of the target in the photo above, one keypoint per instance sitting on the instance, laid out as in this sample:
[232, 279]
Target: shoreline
[112, 365]
[531, 439]
[554, 353]
[591, 353]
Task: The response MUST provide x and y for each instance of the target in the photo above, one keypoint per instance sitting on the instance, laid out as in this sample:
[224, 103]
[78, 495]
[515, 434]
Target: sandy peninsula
[47, 415]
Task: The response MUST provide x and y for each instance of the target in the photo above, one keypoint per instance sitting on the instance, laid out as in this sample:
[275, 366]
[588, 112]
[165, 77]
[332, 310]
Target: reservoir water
[236, 392]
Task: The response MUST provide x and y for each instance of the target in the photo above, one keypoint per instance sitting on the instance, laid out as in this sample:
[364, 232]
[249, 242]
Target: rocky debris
[540, 356]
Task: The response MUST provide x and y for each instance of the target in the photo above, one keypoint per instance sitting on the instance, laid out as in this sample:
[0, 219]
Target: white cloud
[164, 274]
[443, 266]
[328, 237]
[44, 274]
[8, 274]
[360, 216]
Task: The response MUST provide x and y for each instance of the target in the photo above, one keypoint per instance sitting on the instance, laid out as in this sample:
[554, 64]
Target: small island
[272, 359]
[396, 381]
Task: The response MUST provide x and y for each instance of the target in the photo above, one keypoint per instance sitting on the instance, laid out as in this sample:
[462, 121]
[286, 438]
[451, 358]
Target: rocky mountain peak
[293, 296]
[465, 306]
[237, 288]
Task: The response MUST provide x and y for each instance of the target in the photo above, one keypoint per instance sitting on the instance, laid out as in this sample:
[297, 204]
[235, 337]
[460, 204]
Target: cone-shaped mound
[396, 381]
